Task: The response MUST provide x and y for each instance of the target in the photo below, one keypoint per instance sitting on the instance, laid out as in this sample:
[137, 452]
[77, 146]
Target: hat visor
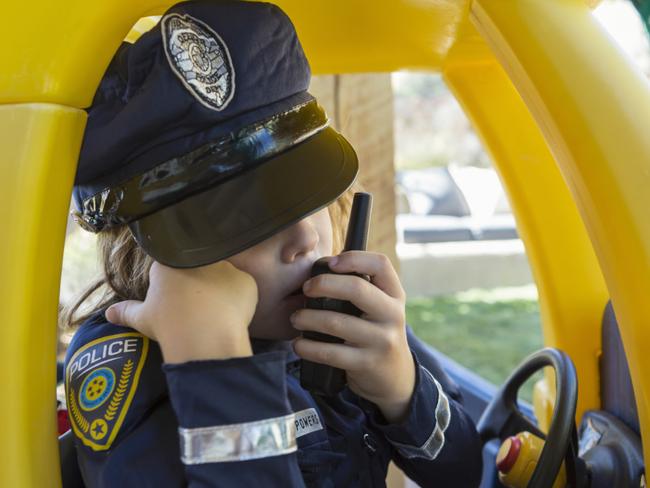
[251, 207]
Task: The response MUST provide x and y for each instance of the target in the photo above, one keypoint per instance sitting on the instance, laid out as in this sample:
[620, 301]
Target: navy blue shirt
[139, 422]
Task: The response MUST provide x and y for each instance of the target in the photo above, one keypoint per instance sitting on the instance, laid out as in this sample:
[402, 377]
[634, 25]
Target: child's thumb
[124, 313]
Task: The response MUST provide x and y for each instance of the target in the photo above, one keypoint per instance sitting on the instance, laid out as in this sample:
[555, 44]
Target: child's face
[280, 265]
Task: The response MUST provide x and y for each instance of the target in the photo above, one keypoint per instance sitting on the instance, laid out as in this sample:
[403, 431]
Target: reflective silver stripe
[436, 441]
[238, 442]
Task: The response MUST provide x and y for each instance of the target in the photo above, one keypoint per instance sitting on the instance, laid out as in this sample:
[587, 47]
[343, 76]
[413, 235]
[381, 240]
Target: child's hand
[199, 313]
[375, 354]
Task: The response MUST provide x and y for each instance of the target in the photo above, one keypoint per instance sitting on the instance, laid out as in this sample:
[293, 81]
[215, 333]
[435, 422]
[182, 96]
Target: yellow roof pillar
[593, 107]
[53, 57]
[572, 293]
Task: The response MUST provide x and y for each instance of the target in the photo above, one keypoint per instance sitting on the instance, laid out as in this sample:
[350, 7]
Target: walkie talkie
[320, 378]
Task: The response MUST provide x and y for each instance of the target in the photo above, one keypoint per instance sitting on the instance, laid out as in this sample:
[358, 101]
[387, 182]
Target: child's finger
[364, 295]
[377, 266]
[347, 327]
[341, 356]
[125, 313]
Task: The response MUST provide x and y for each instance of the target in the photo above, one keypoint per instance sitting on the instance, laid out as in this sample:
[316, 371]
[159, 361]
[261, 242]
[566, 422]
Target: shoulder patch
[101, 379]
[200, 59]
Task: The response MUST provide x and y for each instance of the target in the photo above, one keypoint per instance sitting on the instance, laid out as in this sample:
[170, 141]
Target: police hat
[203, 139]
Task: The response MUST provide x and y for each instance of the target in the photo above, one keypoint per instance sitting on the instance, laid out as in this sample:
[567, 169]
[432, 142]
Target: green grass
[487, 331]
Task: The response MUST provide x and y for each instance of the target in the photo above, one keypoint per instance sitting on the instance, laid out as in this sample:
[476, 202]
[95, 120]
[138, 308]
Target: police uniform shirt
[248, 422]
[206, 112]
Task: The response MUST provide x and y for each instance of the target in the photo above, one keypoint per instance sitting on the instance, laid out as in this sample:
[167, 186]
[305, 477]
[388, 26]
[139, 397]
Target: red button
[508, 454]
[63, 421]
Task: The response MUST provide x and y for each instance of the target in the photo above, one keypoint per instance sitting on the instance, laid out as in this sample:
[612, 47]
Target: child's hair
[126, 266]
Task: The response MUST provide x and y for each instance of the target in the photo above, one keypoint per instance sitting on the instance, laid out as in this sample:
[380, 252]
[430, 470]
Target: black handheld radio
[320, 378]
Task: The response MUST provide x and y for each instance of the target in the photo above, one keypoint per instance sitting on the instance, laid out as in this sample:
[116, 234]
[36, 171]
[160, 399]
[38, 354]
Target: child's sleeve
[232, 417]
[236, 424]
[436, 444]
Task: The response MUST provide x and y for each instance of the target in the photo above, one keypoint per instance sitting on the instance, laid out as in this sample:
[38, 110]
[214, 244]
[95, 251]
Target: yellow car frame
[563, 113]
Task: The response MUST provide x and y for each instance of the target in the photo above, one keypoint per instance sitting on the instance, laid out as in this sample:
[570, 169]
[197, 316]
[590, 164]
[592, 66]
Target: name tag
[307, 421]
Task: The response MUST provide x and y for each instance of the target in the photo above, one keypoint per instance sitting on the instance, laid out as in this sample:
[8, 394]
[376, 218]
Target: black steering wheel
[502, 418]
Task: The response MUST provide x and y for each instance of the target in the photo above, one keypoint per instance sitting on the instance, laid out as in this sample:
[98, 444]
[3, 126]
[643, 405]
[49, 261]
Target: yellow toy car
[562, 112]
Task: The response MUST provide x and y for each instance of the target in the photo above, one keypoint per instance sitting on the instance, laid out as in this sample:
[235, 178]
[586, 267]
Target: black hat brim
[237, 214]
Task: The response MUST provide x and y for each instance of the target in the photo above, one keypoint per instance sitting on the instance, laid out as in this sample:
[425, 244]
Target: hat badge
[200, 59]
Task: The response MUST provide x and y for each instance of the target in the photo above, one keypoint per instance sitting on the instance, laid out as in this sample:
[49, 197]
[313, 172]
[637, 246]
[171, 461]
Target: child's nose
[301, 238]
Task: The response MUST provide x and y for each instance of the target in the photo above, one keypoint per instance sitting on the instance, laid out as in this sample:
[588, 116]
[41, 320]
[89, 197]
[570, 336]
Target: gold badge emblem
[101, 380]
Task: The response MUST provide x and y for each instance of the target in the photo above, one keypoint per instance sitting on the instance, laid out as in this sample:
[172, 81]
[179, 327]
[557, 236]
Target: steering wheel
[502, 418]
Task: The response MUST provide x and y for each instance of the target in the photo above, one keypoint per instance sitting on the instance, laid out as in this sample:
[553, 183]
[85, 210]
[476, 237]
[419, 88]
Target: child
[216, 183]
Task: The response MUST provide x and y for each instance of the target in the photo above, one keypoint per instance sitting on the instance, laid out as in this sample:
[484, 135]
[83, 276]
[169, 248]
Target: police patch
[101, 379]
[200, 59]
